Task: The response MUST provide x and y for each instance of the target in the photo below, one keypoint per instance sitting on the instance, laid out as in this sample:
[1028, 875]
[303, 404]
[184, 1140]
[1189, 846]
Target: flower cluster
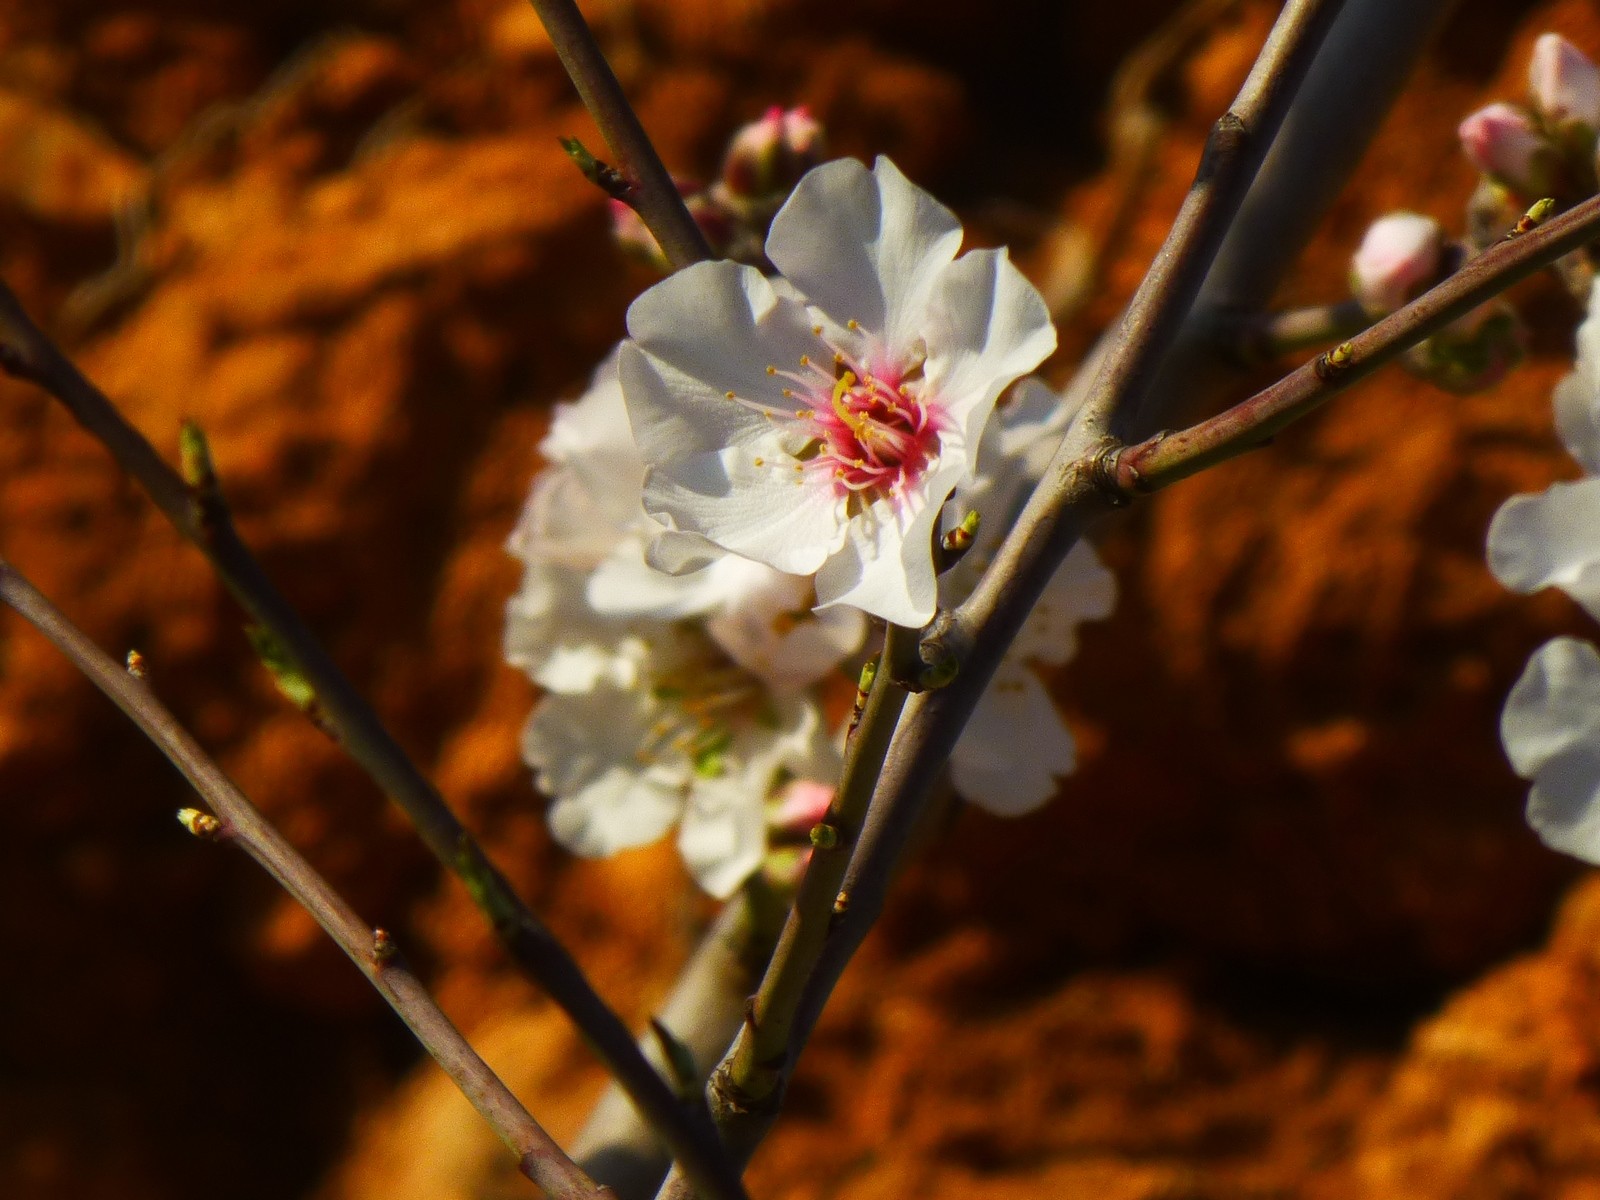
[1546, 147]
[795, 441]
[1551, 722]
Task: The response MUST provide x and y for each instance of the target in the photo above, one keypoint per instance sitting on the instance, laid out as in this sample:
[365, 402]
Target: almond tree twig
[655, 197]
[1166, 458]
[198, 513]
[538, 1156]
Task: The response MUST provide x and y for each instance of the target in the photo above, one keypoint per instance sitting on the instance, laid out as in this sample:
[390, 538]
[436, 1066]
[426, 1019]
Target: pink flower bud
[767, 157]
[1564, 83]
[634, 236]
[1502, 141]
[1399, 257]
[802, 804]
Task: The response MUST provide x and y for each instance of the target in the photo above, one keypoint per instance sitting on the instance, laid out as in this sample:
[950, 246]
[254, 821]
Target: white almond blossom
[1551, 723]
[1016, 746]
[669, 700]
[817, 422]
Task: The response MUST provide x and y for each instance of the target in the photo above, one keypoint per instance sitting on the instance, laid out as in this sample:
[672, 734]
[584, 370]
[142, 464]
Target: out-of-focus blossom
[766, 158]
[1505, 143]
[1400, 256]
[1551, 722]
[669, 700]
[1016, 746]
[1563, 83]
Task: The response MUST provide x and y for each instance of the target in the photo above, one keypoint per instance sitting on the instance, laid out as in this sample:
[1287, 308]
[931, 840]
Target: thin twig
[703, 1013]
[538, 1155]
[1263, 337]
[654, 196]
[746, 1088]
[197, 512]
[1167, 458]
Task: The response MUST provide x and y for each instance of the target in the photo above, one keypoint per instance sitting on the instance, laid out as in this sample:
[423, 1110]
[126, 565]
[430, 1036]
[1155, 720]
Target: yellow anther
[853, 325]
[771, 370]
[729, 395]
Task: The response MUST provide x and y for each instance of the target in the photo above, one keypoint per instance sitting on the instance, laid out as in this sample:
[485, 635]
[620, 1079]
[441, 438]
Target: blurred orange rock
[366, 268]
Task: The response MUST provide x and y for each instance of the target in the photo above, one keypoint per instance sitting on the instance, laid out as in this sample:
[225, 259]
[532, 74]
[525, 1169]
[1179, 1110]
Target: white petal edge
[1009, 756]
[1551, 538]
[864, 246]
[1550, 728]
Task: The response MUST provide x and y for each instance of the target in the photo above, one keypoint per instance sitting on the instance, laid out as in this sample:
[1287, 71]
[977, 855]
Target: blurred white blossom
[670, 700]
[1551, 722]
[1016, 746]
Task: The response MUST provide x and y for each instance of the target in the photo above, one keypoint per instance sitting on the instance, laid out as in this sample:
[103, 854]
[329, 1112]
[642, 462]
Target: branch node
[602, 174]
[1334, 363]
[1537, 214]
[1106, 468]
[824, 836]
[203, 825]
[199, 475]
[384, 947]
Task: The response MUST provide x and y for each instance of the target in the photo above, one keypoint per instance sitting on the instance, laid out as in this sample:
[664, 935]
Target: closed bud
[1399, 258]
[1563, 83]
[1503, 142]
[766, 158]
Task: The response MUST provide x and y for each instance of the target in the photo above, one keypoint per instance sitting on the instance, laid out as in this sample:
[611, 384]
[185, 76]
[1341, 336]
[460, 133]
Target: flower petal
[885, 566]
[1080, 590]
[1551, 731]
[1014, 747]
[723, 836]
[1577, 399]
[987, 326]
[864, 246]
[709, 329]
[754, 502]
[583, 749]
[1550, 539]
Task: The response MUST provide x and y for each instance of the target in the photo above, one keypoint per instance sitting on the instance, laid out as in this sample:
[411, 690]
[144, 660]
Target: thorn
[602, 174]
[384, 947]
[680, 1059]
[136, 665]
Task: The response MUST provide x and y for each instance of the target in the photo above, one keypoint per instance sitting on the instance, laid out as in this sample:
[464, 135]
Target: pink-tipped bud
[768, 157]
[802, 804]
[1503, 142]
[1400, 256]
[1563, 83]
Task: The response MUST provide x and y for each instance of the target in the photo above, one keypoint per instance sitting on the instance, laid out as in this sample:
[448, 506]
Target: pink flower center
[869, 430]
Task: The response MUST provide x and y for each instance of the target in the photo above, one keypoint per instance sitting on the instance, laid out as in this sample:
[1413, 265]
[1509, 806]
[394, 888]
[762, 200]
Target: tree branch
[1166, 458]
[538, 1156]
[654, 196]
[195, 508]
